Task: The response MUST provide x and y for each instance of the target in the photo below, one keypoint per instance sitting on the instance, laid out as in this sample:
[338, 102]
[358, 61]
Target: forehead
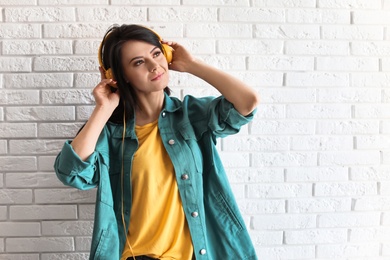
[136, 48]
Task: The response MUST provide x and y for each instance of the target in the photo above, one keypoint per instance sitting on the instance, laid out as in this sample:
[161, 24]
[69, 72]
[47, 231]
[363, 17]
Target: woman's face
[145, 66]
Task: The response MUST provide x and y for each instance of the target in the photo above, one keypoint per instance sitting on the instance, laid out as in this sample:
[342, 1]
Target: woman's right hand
[104, 97]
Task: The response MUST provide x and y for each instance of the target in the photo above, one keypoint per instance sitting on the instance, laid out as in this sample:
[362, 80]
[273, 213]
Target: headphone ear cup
[110, 75]
[168, 52]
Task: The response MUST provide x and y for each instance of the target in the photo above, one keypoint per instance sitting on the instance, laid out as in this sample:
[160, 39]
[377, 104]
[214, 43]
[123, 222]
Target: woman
[162, 190]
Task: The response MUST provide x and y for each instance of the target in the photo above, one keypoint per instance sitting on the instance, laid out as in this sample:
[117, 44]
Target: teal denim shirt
[188, 129]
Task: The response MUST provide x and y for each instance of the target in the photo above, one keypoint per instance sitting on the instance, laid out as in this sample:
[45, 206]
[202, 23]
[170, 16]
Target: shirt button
[202, 251]
[194, 214]
[171, 142]
[184, 177]
[163, 114]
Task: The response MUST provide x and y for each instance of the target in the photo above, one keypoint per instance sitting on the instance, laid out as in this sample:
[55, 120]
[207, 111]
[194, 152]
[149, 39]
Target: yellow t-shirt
[158, 227]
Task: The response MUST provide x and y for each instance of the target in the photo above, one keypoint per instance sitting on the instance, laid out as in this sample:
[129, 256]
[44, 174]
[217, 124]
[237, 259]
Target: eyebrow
[138, 57]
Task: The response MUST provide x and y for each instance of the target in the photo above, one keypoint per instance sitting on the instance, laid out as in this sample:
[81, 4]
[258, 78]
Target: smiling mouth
[157, 77]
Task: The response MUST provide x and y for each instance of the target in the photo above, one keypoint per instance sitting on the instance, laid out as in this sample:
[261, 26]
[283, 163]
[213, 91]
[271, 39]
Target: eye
[156, 54]
[138, 62]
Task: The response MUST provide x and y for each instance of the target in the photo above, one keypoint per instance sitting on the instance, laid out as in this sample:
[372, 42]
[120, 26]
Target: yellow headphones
[167, 51]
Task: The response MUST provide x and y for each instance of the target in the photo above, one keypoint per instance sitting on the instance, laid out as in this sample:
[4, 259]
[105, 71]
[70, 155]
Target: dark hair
[113, 41]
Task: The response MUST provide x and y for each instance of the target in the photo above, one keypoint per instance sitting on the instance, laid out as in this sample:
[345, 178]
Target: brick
[352, 32]
[18, 97]
[283, 63]
[370, 49]
[30, 180]
[386, 64]
[86, 46]
[86, 212]
[183, 14]
[16, 229]
[41, 244]
[287, 252]
[226, 62]
[39, 14]
[350, 4]
[60, 130]
[256, 78]
[372, 142]
[72, 96]
[348, 250]
[253, 144]
[318, 16]
[48, 113]
[384, 188]
[38, 80]
[111, 13]
[86, 80]
[316, 174]
[323, 111]
[284, 222]
[3, 149]
[19, 30]
[201, 30]
[370, 173]
[321, 143]
[252, 175]
[319, 79]
[65, 256]
[84, 112]
[372, 111]
[17, 163]
[206, 2]
[15, 64]
[267, 238]
[287, 95]
[370, 17]
[254, 46]
[43, 212]
[18, 130]
[372, 203]
[346, 127]
[349, 158]
[347, 64]
[235, 159]
[74, 30]
[286, 31]
[67, 228]
[308, 205]
[280, 127]
[289, 159]
[66, 196]
[46, 163]
[15, 196]
[350, 219]
[345, 189]
[317, 48]
[256, 207]
[20, 256]
[285, 3]
[316, 236]
[82, 244]
[371, 234]
[279, 190]
[65, 63]
[349, 95]
[258, 15]
[29, 47]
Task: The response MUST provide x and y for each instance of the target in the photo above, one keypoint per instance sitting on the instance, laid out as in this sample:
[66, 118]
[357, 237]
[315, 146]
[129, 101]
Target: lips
[157, 77]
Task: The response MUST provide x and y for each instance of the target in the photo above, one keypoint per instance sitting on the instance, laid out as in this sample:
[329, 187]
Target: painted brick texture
[311, 173]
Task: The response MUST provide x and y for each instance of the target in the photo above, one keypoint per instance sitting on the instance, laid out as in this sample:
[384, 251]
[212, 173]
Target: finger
[102, 76]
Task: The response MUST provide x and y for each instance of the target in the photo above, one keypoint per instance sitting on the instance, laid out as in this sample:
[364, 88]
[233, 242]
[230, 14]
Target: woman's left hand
[182, 58]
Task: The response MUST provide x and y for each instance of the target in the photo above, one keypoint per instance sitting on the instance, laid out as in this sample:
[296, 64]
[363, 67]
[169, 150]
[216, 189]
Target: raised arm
[106, 101]
[244, 98]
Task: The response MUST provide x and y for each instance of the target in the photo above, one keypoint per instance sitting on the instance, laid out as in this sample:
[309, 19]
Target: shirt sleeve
[73, 171]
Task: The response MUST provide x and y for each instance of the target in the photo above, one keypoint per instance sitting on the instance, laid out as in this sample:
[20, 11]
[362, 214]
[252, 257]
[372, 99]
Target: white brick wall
[311, 173]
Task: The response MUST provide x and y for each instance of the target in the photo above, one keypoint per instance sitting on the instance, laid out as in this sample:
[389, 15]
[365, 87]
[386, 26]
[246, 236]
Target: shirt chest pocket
[191, 147]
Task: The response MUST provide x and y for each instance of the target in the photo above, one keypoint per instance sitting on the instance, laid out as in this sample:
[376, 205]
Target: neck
[149, 108]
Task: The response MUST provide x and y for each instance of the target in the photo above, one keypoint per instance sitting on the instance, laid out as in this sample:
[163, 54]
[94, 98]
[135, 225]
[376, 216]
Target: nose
[153, 65]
